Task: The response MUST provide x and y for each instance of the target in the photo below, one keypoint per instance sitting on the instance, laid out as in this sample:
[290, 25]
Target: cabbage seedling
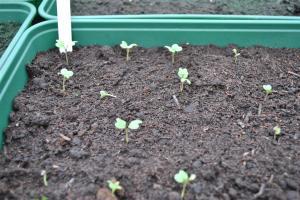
[104, 94]
[268, 90]
[66, 75]
[114, 186]
[61, 45]
[277, 132]
[183, 75]
[44, 175]
[122, 124]
[173, 49]
[236, 54]
[124, 45]
[183, 178]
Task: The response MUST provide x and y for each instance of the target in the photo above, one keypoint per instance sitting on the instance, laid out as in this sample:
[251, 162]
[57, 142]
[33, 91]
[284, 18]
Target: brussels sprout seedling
[277, 132]
[104, 94]
[114, 186]
[66, 75]
[183, 75]
[236, 54]
[124, 45]
[183, 178]
[122, 124]
[44, 175]
[61, 45]
[173, 49]
[268, 90]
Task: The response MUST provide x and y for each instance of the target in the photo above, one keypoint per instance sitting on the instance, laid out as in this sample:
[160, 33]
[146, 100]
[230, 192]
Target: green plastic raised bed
[21, 12]
[47, 10]
[41, 37]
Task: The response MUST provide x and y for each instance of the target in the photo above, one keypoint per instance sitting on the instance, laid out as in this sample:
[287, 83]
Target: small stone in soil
[174, 196]
[105, 194]
[78, 153]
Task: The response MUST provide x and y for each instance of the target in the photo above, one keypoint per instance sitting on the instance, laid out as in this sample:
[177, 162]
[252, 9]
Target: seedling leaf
[135, 124]
[114, 186]
[104, 94]
[120, 123]
[66, 73]
[277, 130]
[181, 177]
[183, 73]
[268, 89]
[124, 45]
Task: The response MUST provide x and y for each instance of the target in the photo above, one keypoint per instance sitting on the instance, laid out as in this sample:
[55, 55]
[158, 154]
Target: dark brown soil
[216, 133]
[7, 32]
[238, 7]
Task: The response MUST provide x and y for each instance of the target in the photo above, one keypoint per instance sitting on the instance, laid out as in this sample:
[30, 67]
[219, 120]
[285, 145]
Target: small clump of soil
[236, 7]
[7, 32]
[213, 130]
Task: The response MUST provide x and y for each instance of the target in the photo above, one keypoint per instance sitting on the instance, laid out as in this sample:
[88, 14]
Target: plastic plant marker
[64, 24]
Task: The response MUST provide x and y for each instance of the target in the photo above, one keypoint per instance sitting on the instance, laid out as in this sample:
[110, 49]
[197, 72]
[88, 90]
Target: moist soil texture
[7, 32]
[211, 129]
[238, 7]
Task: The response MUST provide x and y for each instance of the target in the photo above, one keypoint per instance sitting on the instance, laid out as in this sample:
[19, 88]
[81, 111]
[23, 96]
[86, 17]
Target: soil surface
[7, 32]
[238, 7]
[215, 132]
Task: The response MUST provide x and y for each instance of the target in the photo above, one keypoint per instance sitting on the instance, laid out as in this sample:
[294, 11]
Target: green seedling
[44, 175]
[183, 178]
[66, 75]
[62, 46]
[104, 94]
[183, 75]
[277, 132]
[124, 45]
[122, 124]
[174, 49]
[114, 186]
[236, 54]
[268, 90]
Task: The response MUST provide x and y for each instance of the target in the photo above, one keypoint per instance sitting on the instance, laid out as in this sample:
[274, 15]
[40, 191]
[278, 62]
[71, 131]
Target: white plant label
[64, 23]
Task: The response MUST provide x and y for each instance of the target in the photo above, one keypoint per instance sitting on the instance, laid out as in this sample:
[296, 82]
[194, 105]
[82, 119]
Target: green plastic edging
[47, 10]
[21, 12]
[42, 36]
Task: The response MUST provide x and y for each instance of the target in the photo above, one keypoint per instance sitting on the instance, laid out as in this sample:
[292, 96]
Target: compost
[238, 7]
[7, 32]
[213, 129]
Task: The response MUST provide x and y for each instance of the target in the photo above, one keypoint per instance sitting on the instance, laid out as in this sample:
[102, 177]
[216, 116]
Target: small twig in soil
[260, 105]
[293, 73]
[263, 186]
[65, 137]
[176, 101]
